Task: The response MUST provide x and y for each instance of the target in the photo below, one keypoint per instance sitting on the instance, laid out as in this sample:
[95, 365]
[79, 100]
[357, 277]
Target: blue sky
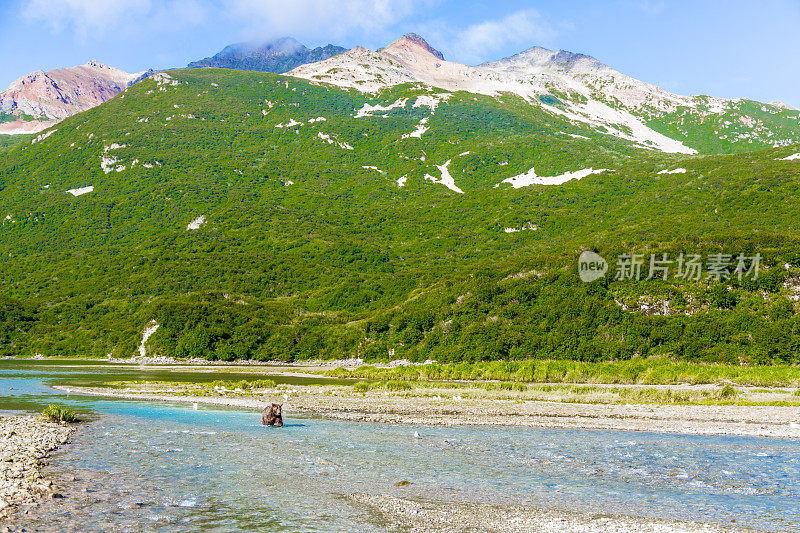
[724, 48]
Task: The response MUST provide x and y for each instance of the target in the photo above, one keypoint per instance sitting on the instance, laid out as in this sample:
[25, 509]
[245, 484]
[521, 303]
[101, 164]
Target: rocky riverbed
[438, 517]
[25, 446]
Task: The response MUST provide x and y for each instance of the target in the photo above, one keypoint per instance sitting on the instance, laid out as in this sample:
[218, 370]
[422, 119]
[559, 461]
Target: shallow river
[162, 466]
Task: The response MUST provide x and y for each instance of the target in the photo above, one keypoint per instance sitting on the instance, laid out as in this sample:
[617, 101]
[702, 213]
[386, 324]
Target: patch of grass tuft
[60, 413]
[361, 386]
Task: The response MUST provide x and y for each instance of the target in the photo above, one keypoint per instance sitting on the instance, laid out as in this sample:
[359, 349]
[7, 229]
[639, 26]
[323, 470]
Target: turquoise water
[162, 466]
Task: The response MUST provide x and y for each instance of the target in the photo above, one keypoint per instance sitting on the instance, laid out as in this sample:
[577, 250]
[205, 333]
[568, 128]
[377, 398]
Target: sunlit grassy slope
[311, 248]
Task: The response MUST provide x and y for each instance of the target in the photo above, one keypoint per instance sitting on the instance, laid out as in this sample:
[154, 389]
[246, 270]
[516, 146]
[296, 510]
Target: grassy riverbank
[681, 394]
[683, 408]
[655, 371]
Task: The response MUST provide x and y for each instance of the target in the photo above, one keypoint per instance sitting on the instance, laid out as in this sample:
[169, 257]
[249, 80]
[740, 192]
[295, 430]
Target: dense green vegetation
[305, 253]
[57, 412]
[747, 126]
[7, 142]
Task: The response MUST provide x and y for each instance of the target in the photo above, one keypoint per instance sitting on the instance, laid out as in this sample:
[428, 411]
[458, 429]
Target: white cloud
[311, 19]
[323, 18]
[86, 17]
[525, 27]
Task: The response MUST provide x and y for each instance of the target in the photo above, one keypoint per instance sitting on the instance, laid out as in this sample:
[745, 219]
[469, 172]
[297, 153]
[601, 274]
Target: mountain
[576, 87]
[281, 55]
[41, 99]
[264, 216]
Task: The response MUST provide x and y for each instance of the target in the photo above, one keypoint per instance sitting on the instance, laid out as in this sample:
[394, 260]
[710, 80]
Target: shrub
[59, 413]
[262, 384]
[244, 384]
[361, 386]
[398, 385]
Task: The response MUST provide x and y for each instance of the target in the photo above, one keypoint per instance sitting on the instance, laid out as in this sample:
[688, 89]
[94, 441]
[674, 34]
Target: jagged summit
[283, 46]
[278, 56]
[539, 58]
[410, 45]
[97, 64]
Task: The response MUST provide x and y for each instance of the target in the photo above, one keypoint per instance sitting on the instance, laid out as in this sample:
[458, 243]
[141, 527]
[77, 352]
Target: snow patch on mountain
[107, 164]
[81, 190]
[446, 179]
[368, 110]
[196, 223]
[531, 178]
[676, 171]
[163, 79]
[376, 169]
[291, 124]
[43, 136]
[525, 227]
[331, 140]
[793, 157]
[431, 101]
[619, 123]
[422, 127]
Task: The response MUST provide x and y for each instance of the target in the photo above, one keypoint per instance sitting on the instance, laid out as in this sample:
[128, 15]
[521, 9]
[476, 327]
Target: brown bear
[271, 416]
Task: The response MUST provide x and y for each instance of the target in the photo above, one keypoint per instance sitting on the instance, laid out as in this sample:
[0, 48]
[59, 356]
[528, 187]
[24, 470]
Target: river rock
[26, 441]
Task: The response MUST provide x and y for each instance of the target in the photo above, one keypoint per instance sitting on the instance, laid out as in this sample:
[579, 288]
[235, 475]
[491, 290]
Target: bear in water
[271, 416]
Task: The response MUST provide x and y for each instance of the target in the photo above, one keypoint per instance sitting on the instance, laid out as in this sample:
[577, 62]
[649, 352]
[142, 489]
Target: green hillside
[9, 141]
[306, 250]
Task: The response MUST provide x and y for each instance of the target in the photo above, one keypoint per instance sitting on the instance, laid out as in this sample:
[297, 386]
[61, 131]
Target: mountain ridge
[576, 86]
[41, 99]
[277, 56]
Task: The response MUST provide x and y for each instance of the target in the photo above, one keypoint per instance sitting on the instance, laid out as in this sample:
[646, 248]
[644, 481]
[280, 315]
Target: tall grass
[59, 413]
[635, 371]
[244, 384]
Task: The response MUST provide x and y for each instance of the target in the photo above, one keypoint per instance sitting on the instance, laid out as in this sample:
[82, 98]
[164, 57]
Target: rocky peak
[97, 65]
[279, 55]
[411, 45]
[538, 58]
[57, 94]
[28, 79]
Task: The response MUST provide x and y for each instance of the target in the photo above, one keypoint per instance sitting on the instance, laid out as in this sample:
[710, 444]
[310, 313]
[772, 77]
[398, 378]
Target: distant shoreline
[431, 407]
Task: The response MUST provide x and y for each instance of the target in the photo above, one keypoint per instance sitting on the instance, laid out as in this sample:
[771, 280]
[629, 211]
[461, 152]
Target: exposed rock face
[49, 97]
[411, 44]
[279, 56]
